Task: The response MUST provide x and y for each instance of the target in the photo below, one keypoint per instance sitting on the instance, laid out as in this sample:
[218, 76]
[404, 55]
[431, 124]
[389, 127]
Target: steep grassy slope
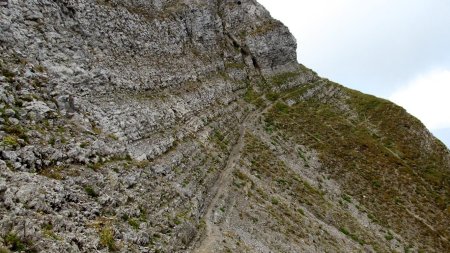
[378, 153]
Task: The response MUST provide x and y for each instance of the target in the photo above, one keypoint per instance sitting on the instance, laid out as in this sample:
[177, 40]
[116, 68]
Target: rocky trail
[221, 188]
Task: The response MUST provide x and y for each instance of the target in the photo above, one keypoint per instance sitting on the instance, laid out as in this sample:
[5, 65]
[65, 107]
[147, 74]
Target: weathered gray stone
[10, 155]
[3, 186]
[34, 16]
[10, 112]
[13, 121]
[3, 165]
[38, 108]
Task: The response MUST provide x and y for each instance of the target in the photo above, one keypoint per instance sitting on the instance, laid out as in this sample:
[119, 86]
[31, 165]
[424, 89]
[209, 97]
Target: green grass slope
[378, 153]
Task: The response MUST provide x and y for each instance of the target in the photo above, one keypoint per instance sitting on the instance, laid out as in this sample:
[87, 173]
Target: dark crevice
[235, 44]
[4, 3]
[244, 50]
[255, 63]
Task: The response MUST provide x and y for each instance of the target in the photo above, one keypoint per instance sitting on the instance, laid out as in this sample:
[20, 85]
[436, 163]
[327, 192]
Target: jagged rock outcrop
[189, 126]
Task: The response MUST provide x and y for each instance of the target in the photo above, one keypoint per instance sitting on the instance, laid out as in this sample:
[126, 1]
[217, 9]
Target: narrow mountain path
[220, 188]
[213, 233]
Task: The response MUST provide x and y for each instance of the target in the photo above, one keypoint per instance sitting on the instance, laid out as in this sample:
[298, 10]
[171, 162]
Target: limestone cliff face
[186, 125]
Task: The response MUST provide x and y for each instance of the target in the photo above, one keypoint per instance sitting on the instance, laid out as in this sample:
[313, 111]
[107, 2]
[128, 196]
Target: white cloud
[428, 98]
[373, 45]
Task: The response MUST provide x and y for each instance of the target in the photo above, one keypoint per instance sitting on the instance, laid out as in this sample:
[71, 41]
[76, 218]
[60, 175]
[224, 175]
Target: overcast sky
[395, 49]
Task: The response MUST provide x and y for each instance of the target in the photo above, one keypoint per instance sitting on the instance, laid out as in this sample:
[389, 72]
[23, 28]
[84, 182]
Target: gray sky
[395, 49]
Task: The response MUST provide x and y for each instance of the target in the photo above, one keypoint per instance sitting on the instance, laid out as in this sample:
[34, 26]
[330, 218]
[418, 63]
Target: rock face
[189, 126]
